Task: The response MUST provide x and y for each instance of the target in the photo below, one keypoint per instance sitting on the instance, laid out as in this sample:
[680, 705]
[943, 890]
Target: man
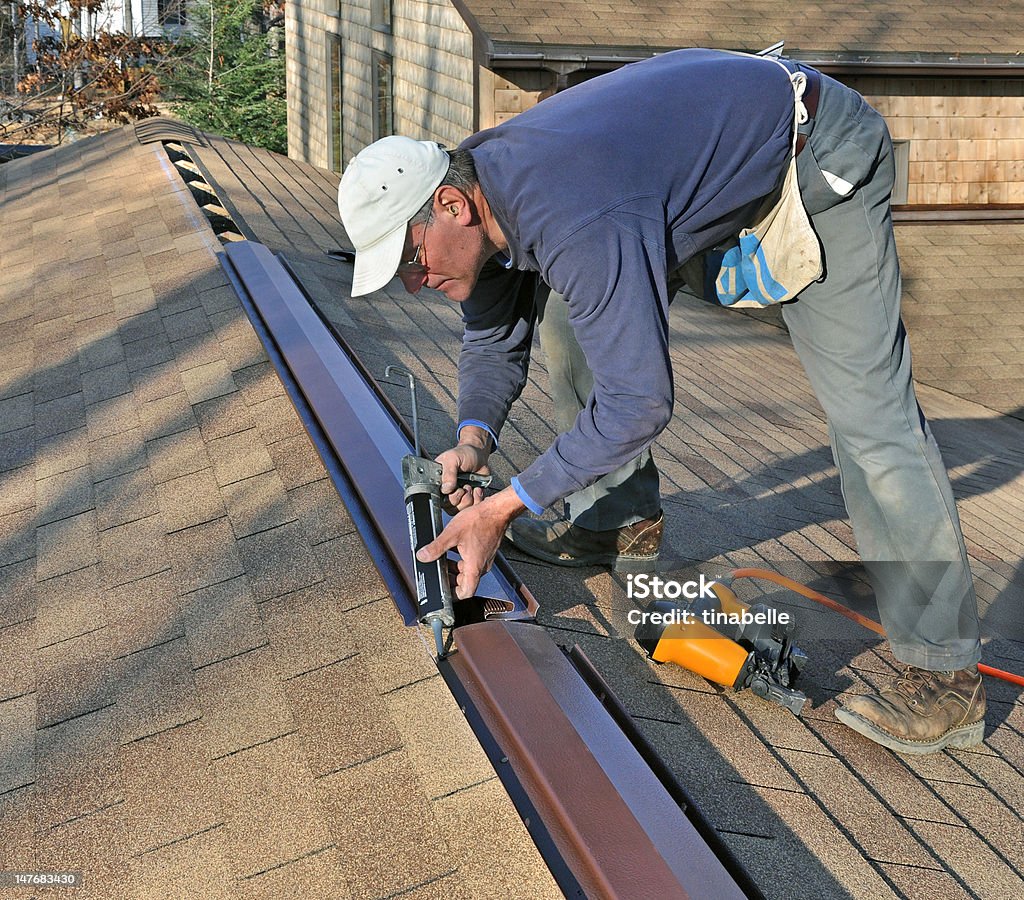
[610, 191]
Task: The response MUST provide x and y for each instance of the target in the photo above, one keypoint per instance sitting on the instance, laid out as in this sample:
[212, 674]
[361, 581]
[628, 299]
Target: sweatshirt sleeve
[499, 319]
[613, 274]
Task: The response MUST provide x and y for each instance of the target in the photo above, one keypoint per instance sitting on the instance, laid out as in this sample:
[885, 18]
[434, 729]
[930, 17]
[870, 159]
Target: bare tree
[80, 71]
[225, 72]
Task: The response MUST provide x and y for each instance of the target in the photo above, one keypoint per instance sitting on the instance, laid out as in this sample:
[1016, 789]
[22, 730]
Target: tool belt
[779, 255]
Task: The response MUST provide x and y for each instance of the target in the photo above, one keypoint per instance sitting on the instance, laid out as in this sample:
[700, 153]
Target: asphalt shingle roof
[851, 30]
[207, 692]
[968, 277]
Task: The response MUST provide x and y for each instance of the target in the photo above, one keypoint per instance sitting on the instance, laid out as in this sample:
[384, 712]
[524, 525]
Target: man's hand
[470, 455]
[475, 534]
[462, 458]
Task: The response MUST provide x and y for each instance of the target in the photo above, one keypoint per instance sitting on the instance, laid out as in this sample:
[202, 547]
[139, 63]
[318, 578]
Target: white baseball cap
[382, 189]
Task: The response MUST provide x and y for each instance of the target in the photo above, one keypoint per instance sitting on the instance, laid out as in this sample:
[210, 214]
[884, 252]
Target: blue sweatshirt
[604, 189]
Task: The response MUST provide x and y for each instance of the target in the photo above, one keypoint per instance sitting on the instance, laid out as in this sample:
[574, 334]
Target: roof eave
[918, 64]
[514, 55]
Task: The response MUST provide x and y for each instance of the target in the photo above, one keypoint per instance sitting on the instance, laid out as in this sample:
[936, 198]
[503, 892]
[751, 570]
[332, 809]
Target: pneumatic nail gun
[729, 642]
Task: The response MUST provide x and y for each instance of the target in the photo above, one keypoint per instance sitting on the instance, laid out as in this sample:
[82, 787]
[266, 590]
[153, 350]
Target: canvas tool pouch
[779, 255]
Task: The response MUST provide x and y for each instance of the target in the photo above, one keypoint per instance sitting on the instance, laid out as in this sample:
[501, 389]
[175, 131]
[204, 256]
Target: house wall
[433, 73]
[506, 94]
[307, 25]
[966, 135]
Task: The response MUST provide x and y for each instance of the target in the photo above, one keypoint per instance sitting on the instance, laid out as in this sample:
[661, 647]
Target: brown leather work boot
[633, 548]
[922, 711]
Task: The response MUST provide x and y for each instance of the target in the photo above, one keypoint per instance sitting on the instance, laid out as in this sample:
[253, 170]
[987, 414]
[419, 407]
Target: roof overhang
[572, 57]
[916, 65]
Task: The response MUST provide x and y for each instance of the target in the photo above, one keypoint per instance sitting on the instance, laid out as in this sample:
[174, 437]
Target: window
[334, 95]
[901, 156]
[170, 12]
[380, 15]
[383, 116]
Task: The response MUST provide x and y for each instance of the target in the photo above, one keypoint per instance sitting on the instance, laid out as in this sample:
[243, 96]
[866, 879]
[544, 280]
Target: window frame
[383, 94]
[335, 113]
[381, 15]
[901, 183]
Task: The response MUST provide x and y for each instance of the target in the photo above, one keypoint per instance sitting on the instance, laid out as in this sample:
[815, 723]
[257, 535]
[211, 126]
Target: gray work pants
[630, 493]
[847, 331]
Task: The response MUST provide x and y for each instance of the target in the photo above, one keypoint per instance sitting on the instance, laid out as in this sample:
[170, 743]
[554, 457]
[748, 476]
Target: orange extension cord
[811, 594]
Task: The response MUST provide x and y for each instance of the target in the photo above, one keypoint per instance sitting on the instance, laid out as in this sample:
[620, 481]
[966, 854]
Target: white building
[138, 18]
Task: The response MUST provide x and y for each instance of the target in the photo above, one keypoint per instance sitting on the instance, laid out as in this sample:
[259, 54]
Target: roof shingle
[855, 30]
[187, 706]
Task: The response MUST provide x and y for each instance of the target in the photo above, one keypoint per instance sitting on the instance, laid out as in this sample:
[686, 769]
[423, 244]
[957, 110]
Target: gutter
[961, 214]
[910, 68]
[560, 56]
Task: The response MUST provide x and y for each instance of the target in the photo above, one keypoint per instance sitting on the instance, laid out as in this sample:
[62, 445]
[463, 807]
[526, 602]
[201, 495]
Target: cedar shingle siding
[944, 75]
[966, 136]
[432, 63]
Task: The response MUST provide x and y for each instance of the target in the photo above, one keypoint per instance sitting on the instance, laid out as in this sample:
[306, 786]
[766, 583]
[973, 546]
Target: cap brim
[375, 266]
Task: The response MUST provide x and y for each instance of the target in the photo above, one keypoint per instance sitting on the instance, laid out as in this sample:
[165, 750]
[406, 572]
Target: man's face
[449, 255]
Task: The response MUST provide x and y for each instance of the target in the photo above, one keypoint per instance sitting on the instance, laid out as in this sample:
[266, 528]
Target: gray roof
[207, 683]
[991, 31]
[205, 690]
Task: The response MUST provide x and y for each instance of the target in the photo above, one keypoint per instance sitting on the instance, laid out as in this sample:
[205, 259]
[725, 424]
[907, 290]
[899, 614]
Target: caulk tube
[422, 479]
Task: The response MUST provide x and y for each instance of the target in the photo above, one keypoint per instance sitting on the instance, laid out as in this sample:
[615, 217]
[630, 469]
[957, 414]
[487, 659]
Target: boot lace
[912, 683]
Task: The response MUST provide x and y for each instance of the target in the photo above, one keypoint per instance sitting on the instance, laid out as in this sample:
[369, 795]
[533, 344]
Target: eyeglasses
[414, 266]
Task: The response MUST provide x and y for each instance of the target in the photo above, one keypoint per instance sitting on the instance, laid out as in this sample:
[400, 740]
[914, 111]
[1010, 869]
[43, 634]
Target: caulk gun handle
[472, 479]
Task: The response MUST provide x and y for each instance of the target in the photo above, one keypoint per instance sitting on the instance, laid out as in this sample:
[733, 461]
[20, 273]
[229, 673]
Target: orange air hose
[812, 594]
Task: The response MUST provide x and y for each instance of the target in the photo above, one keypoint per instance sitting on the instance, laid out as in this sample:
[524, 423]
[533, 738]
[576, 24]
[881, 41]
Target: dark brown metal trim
[605, 822]
[616, 826]
[362, 434]
[533, 820]
[620, 715]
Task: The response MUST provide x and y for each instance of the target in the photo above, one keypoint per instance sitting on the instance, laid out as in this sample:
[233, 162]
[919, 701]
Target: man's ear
[455, 203]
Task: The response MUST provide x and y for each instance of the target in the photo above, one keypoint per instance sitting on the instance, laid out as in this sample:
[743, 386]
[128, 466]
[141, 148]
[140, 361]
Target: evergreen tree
[229, 77]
